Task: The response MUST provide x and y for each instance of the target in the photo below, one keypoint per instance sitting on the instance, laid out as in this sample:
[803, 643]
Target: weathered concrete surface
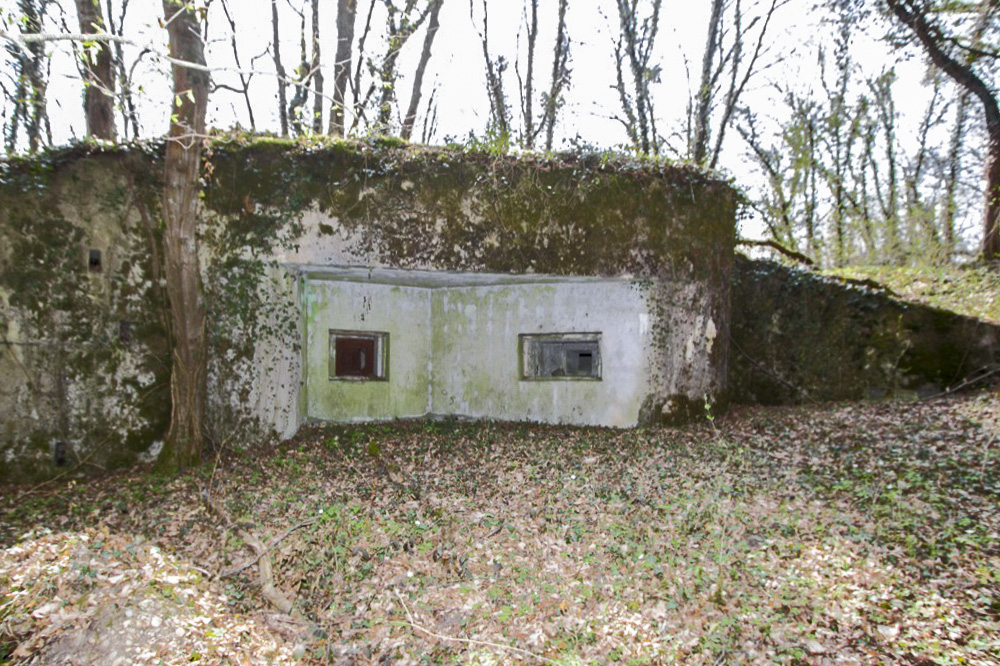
[84, 364]
[454, 345]
[83, 361]
[798, 336]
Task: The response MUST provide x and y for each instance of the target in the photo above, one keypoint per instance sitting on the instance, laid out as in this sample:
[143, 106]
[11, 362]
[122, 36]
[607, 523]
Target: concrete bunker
[358, 281]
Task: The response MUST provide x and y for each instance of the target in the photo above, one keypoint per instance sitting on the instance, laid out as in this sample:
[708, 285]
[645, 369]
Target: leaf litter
[857, 533]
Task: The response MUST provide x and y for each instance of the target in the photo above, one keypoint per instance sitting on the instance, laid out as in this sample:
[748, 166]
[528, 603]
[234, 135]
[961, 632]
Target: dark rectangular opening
[94, 261]
[560, 355]
[59, 454]
[356, 357]
[125, 332]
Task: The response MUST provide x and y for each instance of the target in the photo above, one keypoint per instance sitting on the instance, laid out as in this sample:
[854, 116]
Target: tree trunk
[702, 131]
[99, 96]
[279, 69]
[317, 120]
[991, 215]
[346, 11]
[130, 117]
[29, 97]
[962, 73]
[180, 219]
[560, 77]
[418, 77]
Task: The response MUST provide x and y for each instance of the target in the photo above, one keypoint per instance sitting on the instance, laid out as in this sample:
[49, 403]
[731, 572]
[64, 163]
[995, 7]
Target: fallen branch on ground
[264, 571]
[270, 546]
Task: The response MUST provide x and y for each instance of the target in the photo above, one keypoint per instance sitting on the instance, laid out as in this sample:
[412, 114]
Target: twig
[270, 546]
[264, 572]
[470, 641]
[966, 383]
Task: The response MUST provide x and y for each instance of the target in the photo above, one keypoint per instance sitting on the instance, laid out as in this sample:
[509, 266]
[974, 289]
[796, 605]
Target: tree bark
[346, 13]
[98, 77]
[963, 74]
[180, 219]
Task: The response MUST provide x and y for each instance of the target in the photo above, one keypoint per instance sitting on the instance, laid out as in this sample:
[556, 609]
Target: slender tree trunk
[317, 120]
[180, 219]
[560, 76]
[703, 106]
[29, 99]
[528, 85]
[635, 45]
[279, 69]
[418, 77]
[346, 13]
[130, 118]
[951, 178]
[499, 113]
[991, 216]
[99, 96]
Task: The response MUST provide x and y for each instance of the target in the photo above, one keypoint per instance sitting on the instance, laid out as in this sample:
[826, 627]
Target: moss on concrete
[400, 205]
[799, 336]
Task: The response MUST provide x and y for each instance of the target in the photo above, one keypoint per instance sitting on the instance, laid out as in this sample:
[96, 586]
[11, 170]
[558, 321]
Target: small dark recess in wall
[59, 454]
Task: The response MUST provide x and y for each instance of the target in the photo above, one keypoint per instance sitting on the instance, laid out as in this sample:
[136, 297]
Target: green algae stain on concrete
[398, 312]
[454, 349]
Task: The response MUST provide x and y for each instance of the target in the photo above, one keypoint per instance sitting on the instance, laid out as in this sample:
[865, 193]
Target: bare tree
[98, 77]
[245, 77]
[532, 124]
[30, 108]
[956, 145]
[303, 76]
[634, 52]
[560, 76]
[346, 13]
[418, 77]
[699, 148]
[130, 117]
[279, 69]
[732, 56]
[495, 67]
[945, 53]
[317, 73]
[790, 206]
[401, 24]
[180, 223]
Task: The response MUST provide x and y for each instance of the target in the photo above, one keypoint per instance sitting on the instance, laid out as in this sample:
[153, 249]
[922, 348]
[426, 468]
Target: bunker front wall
[797, 336]
[386, 206]
[457, 349]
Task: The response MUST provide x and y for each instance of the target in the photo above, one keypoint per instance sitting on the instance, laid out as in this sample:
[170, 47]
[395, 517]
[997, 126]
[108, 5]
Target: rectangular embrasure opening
[359, 355]
[560, 356]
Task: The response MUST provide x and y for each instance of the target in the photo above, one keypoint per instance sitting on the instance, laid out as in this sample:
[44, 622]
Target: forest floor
[853, 533]
[864, 533]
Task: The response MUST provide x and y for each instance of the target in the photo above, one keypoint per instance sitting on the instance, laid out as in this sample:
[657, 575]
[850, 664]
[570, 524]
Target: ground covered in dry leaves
[863, 533]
